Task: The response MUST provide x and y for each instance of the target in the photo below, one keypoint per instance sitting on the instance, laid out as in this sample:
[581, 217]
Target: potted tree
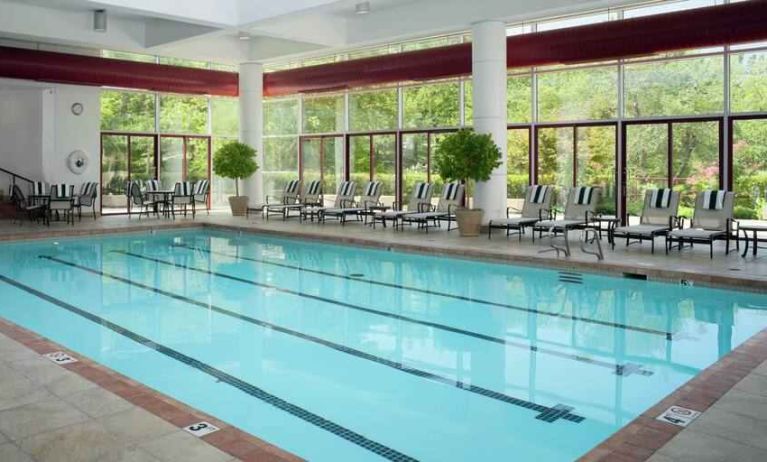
[469, 157]
[237, 161]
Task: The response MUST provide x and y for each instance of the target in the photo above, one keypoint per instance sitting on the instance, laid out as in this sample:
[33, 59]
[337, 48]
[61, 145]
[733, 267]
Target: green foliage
[235, 160]
[467, 156]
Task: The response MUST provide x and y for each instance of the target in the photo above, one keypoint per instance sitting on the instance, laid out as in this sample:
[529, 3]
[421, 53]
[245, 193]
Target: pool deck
[98, 414]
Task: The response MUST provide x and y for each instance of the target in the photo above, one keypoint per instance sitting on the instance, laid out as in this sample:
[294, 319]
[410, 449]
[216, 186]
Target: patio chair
[450, 199]
[201, 193]
[370, 197]
[276, 204]
[536, 207]
[87, 198]
[63, 201]
[659, 216]
[143, 202]
[344, 198]
[182, 198]
[310, 196]
[711, 221]
[23, 207]
[580, 207]
[420, 201]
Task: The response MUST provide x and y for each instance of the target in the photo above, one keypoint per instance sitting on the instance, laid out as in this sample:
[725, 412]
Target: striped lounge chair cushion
[583, 195]
[314, 188]
[422, 191]
[152, 185]
[450, 191]
[660, 198]
[292, 187]
[39, 188]
[62, 191]
[346, 188]
[184, 188]
[201, 187]
[538, 193]
[713, 200]
[372, 188]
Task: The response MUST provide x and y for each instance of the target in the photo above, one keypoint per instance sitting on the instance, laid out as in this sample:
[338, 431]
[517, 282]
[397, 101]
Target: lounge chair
[87, 198]
[276, 204]
[33, 211]
[536, 207]
[63, 201]
[201, 193]
[450, 199]
[369, 199]
[420, 201]
[659, 216]
[145, 203]
[711, 221]
[311, 196]
[344, 198]
[183, 198]
[580, 208]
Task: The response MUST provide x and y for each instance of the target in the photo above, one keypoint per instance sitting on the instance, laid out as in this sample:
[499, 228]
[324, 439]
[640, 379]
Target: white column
[251, 125]
[489, 80]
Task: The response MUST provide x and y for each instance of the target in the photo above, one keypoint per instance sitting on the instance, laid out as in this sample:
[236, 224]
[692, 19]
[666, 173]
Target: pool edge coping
[229, 438]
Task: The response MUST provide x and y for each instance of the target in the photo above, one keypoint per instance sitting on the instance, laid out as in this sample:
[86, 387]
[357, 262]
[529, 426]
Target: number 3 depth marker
[200, 429]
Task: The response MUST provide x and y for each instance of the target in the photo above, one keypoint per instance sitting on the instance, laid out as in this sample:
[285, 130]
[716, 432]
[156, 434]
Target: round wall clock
[77, 109]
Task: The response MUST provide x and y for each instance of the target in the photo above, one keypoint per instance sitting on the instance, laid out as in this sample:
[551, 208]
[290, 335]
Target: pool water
[347, 354]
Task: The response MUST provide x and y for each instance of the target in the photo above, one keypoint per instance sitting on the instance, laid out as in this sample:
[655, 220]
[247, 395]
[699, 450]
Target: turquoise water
[340, 353]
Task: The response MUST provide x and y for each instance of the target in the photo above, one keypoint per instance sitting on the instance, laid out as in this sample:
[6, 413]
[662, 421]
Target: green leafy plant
[235, 160]
[467, 156]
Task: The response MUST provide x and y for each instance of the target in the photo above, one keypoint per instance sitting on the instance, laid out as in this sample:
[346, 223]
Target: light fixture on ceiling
[243, 36]
[362, 8]
[100, 20]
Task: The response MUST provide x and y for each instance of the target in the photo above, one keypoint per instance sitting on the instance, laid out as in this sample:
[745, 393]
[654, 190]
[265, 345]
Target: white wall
[38, 130]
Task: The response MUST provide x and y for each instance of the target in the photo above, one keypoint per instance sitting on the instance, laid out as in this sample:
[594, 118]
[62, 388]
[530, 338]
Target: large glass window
[280, 163]
[324, 114]
[690, 86]
[374, 157]
[281, 117]
[578, 94]
[519, 98]
[373, 110]
[647, 163]
[432, 105]
[748, 82]
[322, 158]
[127, 111]
[518, 166]
[749, 168]
[225, 127]
[183, 114]
[123, 158]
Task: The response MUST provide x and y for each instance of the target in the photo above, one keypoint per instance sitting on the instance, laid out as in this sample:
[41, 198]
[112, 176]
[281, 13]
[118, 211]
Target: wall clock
[77, 109]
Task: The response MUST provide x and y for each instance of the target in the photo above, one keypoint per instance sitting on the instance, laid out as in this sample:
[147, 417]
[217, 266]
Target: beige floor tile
[74, 443]
[739, 428]
[129, 454]
[24, 421]
[16, 352]
[183, 446]
[659, 458]
[98, 402]
[743, 403]
[761, 369]
[136, 425]
[756, 384]
[17, 390]
[3, 438]
[56, 379]
[11, 453]
[693, 446]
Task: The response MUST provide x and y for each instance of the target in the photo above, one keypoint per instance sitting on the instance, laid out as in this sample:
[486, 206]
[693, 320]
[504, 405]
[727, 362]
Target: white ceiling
[207, 29]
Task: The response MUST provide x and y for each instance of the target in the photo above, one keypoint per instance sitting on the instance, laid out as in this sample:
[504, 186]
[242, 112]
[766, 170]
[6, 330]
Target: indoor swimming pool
[347, 354]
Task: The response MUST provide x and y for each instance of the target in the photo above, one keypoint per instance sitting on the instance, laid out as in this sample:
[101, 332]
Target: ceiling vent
[100, 20]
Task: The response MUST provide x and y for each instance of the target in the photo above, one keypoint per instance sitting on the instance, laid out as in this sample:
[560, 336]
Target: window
[225, 117]
[433, 105]
[127, 111]
[519, 98]
[373, 110]
[673, 88]
[324, 114]
[183, 62]
[748, 81]
[749, 168]
[280, 163]
[518, 165]
[281, 117]
[573, 21]
[124, 55]
[578, 94]
[183, 114]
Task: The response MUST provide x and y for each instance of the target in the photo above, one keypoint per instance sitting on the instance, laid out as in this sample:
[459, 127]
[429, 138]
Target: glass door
[184, 158]
[748, 171]
[124, 157]
[374, 157]
[322, 158]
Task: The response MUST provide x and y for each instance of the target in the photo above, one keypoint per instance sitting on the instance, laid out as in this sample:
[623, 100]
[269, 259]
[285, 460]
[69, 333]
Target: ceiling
[277, 30]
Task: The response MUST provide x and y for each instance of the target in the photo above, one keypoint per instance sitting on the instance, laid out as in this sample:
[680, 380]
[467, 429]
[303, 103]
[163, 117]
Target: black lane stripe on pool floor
[341, 348]
[480, 301]
[252, 390]
[618, 369]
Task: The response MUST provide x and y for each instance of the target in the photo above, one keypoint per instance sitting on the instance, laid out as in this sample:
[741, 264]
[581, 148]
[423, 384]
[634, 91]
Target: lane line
[341, 348]
[252, 390]
[646, 330]
[618, 369]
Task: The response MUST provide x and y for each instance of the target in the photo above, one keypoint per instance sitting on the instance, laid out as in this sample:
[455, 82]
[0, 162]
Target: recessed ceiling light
[243, 36]
[362, 8]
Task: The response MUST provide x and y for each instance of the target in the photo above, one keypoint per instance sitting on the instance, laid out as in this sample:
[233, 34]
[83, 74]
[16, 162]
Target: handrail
[13, 179]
